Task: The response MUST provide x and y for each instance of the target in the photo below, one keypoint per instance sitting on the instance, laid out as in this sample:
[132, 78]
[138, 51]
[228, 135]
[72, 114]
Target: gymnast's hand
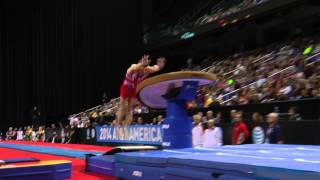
[145, 60]
[161, 61]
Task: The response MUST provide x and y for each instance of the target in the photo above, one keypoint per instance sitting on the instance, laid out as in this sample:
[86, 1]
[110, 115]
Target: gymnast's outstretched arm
[157, 67]
[143, 62]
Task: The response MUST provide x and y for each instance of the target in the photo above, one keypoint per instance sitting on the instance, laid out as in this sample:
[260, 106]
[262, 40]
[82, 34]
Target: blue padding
[103, 164]
[132, 172]
[156, 158]
[259, 161]
[20, 160]
[49, 150]
[185, 174]
[50, 172]
[245, 161]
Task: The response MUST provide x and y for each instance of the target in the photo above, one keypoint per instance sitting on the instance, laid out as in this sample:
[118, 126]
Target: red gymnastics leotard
[130, 84]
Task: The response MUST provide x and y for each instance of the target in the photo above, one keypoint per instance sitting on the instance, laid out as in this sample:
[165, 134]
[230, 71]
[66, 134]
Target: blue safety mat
[133, 172]
[103, 164]
[44, 172]
[157, 158]
[49, 150]
[244, 161]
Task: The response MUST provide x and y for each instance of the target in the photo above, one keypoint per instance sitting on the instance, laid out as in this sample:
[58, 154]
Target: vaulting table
[172, 91]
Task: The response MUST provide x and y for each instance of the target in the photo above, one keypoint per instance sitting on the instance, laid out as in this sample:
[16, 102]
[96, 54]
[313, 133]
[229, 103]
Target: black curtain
[61, 55]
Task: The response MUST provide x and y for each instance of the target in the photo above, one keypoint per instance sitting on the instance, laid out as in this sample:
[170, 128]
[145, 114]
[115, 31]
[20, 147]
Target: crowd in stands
[289, 72]
[51, 134]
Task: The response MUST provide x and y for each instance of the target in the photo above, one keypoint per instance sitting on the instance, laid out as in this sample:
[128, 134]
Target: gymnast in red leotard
[136, 73]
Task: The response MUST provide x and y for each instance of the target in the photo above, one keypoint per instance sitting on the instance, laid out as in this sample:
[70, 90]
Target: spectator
[54, 137]
[274, 132]
[74, 120]
[293, 115]
[10, 134]
[257, 132]
[15, 130]
[208, 101]
[240, 130]
[139, 121]
[19, 134]
[256, 118]
[233, 113]
[160, 119]
[209, 115]
[154, 121]
[68, 138]
[28, 134]
[218, 118]
[197, 131]
[63, 135]
[40, 134]
[212, 135]
[33, 135]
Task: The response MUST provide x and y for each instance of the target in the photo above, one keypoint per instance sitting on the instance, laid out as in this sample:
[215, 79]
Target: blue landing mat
[102, 164]
[49, 150]
[243, 162]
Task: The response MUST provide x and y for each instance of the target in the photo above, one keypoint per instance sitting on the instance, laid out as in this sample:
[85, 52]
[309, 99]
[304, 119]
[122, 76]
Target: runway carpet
[41, 151]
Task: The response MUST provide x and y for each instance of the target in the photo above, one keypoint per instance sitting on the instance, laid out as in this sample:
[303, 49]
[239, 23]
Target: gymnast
[136, 73]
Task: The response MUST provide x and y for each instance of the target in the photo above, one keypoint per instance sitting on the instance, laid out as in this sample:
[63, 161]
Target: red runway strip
[68, 146]
[78, 165]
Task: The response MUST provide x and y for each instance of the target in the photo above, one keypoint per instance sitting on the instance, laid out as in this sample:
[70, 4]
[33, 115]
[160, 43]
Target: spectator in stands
[218, 118]
[197, 131]
[140, 121]
[10, 134]
[83, 120]
[208, 101]
[160, 119]
[74, 120]
[209, 115]
[63, 135]
[240, 130]
[20, 134]
[274, 132]
[33, 135]
[293, 114]
[255, 128]
[212, 136]
[68, 138]
[256, 117]
[54, 137]
[233, 113]
[40, 134]
[154, 121]
[15, 130]
[28, 134]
